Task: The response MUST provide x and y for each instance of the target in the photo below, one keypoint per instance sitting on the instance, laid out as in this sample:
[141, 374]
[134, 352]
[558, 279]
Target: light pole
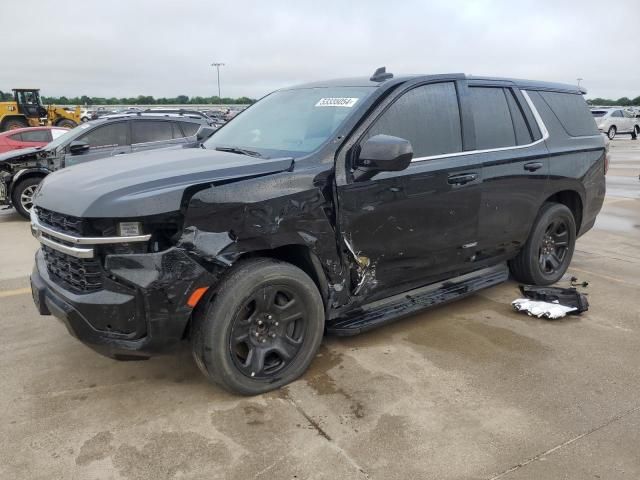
[218, 65]
[579, 80]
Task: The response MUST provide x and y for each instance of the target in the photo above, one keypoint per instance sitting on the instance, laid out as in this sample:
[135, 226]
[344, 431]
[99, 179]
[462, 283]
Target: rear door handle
[462, 179]
[533, 166]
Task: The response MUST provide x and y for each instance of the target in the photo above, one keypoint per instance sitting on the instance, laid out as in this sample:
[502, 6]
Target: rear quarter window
[189, 128]
[572, 112]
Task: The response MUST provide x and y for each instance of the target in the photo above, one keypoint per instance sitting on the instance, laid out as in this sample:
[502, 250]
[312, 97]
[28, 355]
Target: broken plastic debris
[541, 309]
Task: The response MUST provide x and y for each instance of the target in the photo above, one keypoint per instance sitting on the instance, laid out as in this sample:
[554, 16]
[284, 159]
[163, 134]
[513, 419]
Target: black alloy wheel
[268, 331]
[554, 246]
[260, 329]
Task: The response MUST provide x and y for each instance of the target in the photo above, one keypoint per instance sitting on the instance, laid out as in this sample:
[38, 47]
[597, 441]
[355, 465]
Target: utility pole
[218, 65]
[579, 80]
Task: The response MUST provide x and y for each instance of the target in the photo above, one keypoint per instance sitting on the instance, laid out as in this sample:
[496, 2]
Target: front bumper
[142, 309]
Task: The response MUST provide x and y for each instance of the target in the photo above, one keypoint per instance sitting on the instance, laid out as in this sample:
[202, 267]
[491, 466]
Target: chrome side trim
[73, 251]
[536, 116]
[35, 223]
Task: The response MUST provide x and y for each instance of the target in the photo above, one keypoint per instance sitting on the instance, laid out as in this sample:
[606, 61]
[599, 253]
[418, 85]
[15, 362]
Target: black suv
[22, 170]
[331, 207]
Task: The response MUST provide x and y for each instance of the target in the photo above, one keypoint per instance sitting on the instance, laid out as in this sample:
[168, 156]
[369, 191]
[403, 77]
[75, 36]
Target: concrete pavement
[468, 390]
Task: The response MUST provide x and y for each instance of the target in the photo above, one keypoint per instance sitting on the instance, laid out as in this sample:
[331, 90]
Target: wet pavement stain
[322, 383]
[96, 448]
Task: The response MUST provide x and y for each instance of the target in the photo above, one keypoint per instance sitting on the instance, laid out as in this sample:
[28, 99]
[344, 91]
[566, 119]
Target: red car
[28, 137]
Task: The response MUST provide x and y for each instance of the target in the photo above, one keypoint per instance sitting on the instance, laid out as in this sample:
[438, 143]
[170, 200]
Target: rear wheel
[66, 123]
[262, 329]
[636, 132]
[546, 255]
[13, 123]
[611, 133]
[22, 195]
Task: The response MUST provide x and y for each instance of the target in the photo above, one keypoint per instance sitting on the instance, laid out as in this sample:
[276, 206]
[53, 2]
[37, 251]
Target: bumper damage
[142, 309]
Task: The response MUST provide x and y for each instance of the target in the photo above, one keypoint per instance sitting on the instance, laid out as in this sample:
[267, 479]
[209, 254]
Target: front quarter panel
[226, 221]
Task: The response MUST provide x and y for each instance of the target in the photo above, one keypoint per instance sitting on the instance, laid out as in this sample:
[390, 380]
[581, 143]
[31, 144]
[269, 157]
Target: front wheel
[22, 195]
[611, 133]
[262, 328]
[546, 255]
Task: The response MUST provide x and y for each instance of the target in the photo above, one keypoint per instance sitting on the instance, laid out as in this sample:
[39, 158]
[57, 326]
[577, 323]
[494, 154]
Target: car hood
[145, 183]
[21, 154]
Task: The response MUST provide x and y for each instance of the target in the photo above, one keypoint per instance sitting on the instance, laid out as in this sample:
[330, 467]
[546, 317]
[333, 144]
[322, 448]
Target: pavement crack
[613, 419]
[327, 437]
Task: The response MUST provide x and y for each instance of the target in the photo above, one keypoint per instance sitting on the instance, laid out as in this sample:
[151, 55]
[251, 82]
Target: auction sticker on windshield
[337, 102]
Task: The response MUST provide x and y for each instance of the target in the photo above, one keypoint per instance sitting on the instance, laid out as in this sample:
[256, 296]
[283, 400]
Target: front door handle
[462, 179]
[532, 166]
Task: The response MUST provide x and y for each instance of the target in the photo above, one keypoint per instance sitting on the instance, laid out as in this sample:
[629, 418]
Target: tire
[243, 341]
[636, 132]
[611, 133]
[547, 253]
[22, 195]
[66, 123]
[13, 123]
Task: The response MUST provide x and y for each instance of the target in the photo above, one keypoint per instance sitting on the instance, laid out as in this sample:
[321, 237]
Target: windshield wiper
[240, 151]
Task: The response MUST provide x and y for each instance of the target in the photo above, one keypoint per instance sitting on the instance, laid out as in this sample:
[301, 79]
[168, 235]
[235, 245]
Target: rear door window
[111, 135]
[41, 136]
[428, 116]
[617, 113]
[494, 127]
[573, 113]
[147, 131]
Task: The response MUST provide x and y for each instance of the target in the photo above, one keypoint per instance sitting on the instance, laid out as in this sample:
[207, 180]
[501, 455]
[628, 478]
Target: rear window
[41, 136]
[598, 113]
[572, 112]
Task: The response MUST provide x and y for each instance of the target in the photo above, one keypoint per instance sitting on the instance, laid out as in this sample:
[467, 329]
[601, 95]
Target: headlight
[129, 229]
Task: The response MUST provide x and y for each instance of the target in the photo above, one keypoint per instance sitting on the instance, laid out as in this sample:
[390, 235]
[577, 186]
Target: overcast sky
[161, 48]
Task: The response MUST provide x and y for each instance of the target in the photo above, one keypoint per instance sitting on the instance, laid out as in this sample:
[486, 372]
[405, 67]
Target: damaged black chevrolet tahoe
[331, 207]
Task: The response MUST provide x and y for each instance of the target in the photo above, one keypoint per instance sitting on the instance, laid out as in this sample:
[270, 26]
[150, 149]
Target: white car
[616, 120]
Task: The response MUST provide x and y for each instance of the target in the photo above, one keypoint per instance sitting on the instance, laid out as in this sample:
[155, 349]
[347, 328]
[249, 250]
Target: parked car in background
[334, 207]
[22, 171]
[613, 121]
[29, 137]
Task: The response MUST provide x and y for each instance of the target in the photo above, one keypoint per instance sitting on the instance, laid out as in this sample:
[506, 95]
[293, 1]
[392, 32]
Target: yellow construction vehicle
[27, 110]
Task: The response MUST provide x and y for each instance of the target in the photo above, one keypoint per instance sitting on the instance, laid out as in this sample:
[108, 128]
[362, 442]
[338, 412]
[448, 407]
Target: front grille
[81, 275]
[62, 223]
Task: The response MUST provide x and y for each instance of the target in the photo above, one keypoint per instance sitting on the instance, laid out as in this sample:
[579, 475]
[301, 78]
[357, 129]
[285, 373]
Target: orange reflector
[196, 296]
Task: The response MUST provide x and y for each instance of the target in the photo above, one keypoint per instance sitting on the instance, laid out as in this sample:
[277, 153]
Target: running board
[385, 311]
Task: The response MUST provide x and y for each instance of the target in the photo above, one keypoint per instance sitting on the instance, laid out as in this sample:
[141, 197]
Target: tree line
[139, 100]
[621, 102]
[186, 100]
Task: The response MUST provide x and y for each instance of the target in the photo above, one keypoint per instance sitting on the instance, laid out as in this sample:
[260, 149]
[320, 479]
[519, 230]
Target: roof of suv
[367, 82]
[150, 116]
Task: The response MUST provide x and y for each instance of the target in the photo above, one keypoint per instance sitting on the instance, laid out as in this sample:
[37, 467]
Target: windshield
[598, 113]
[62, 139]
[290, 122]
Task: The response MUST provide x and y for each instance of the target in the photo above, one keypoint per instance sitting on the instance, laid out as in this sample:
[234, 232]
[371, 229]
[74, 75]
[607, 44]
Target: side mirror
[78, 147]
[204, 133]
[384, 153]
